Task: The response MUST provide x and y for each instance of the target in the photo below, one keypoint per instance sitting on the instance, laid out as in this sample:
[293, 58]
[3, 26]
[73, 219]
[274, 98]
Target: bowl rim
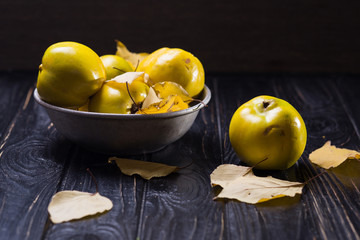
[189, 110]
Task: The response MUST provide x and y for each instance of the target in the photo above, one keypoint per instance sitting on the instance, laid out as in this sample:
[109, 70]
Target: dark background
[227, 36]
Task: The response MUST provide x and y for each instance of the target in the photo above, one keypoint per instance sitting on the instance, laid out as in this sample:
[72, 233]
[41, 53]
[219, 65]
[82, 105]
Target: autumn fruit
[73, 76]
[69, 74]
[119, 96]
[175, 65]
[268, 133]
[115, 65]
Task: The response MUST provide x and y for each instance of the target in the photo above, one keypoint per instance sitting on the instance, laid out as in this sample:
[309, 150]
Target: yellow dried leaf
[241, 184]
[166, 89]
[133, 58]
[178, 104]
[259, 189]
[150, 99]
[226, 173]
[70, 205]
[146, 170]
[172, 104]
[330, 156]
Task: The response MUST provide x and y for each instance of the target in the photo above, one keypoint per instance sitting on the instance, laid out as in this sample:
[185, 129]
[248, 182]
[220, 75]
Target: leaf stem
[137, 65]
[94, 179]
[252, 167]
[291, 185]
[316, 176]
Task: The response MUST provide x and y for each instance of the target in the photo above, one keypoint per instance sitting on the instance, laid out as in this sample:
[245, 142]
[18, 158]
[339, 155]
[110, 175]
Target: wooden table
[36, 162]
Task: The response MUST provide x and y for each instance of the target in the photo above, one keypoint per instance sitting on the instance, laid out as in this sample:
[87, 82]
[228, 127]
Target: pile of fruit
[72, 75]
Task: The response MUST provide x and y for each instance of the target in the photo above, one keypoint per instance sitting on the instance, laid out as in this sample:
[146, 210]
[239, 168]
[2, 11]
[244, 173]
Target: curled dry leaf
[330, 156]
[166, 89]
[150, 99]
[146, 170]
[133, 58]
[171, 104]
[165, 97]
[240, 183]
[226, 173]
[70, 205]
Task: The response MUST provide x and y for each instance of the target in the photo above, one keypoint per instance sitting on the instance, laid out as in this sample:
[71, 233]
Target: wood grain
[36, 161]
[125, 192]
[11, 97]
[32, 157]
[325, 108]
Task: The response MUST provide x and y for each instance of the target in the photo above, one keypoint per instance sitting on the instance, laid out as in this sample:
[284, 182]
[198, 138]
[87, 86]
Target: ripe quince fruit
[118, 97]
[268, 133]
[69, 74]
[175, 65]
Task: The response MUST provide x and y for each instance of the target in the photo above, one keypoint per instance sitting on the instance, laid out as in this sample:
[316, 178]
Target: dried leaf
[172, 104]
[241, 184]
[330, 156]
[146, 170]
[133, 58]
[150, 99]
[128, 77]
[226, 173]
[259, 189]
[166, 89]
[70, 205]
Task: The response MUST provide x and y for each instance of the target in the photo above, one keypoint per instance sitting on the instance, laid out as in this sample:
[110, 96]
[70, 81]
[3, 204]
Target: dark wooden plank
[347, 91]
[32, 158]
[125, 192]
[332, 202]
[243, 221]
[36, 161]
[14, 88]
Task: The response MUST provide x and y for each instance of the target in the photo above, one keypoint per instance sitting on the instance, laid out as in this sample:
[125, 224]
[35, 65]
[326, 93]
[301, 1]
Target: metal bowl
[125, 134]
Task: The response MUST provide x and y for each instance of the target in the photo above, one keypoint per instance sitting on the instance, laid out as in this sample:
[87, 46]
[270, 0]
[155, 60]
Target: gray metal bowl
[125, 134]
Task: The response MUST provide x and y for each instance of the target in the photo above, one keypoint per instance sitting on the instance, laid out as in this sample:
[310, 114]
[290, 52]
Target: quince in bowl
[103, 105]
[125, 134]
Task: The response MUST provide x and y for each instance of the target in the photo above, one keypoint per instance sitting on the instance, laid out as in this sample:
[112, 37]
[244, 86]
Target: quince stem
[119, 69]
[132, 99]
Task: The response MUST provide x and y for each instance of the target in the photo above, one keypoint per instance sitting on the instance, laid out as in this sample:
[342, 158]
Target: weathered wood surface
[36, 162]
